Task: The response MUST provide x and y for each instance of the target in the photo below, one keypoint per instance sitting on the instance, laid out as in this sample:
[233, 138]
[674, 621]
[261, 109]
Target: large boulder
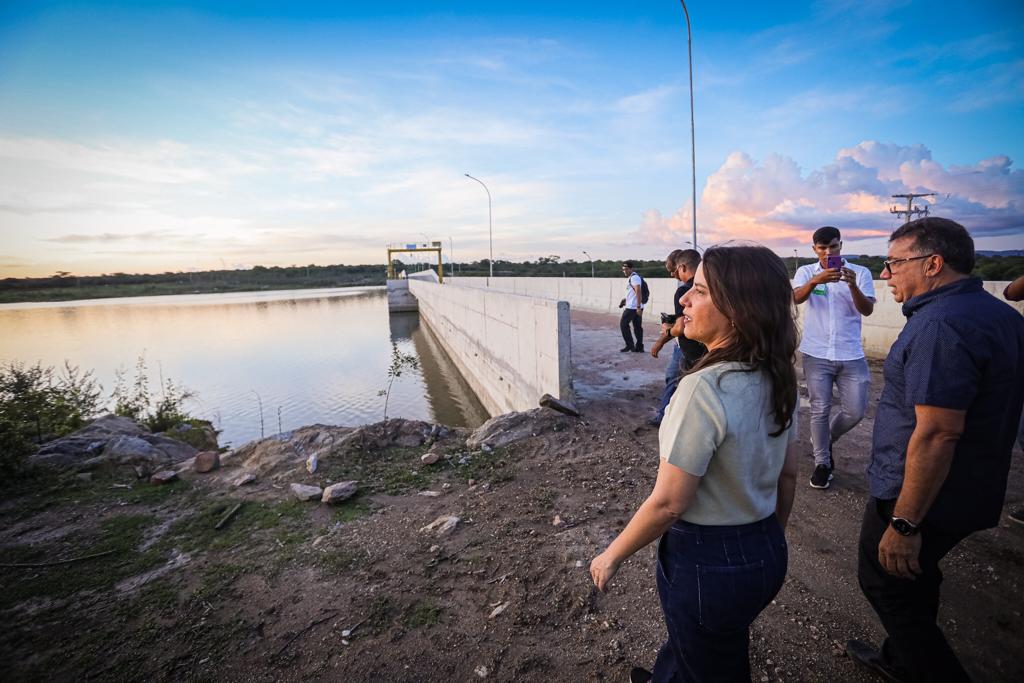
[509, 428]
[115, 441]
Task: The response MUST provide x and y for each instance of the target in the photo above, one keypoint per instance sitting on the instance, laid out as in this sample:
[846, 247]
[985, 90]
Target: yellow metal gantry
[433, 246]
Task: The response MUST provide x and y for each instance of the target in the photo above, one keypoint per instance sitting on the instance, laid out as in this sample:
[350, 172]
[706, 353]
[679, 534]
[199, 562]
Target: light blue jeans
[852, 378]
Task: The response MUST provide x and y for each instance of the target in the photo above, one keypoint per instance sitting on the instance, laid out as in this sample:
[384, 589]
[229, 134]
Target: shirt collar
[962, 286]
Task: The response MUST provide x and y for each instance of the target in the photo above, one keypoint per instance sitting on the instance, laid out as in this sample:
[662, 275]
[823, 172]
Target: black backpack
[645, 291]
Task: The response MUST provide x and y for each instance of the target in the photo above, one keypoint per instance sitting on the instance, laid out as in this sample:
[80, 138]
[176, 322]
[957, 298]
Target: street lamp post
[693, 147]
[795, 263]
[490, 228]
[591, 262]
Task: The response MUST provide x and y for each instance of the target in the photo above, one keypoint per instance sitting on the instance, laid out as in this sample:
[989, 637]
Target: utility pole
[911, 210]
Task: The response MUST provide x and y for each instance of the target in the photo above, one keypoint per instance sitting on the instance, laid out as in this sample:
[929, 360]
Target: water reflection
[312, 355]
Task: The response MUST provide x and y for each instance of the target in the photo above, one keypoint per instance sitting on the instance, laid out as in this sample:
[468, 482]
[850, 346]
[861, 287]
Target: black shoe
[624, 349]
[639, 675]
[1017, 516]
[821, 477]
[870, 659]
[639, 349]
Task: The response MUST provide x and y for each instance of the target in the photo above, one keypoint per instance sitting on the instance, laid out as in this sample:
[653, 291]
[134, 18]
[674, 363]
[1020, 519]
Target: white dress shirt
[831, 322]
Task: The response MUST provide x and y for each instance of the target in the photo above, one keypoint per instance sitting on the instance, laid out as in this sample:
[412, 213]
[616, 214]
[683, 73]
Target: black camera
[668, 319]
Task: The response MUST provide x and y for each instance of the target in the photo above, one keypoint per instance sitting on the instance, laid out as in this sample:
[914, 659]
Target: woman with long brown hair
[727, 475]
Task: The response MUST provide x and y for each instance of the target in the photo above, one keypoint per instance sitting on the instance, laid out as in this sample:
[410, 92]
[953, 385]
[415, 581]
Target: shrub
[137, 403]
[38, 404]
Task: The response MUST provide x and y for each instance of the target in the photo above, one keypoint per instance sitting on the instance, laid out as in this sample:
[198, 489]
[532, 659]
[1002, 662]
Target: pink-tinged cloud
[774, 202]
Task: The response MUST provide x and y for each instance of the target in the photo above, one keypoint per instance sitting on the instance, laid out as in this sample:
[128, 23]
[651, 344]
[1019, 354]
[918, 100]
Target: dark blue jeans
[713, 582]
[673, 373]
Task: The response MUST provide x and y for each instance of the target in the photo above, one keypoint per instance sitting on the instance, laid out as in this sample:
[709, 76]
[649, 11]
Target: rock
[557, 521]
[163, 477]
[207, 461]
[306, 492]
[442, 525]
[84, 476]
[336, 493]
[509, 428]
[481, 671]
[112, 440]
[430, 457]
[311, 463]
[247, 478]
[429, 494]
[564, 407]
[498, 610]
[435, 548]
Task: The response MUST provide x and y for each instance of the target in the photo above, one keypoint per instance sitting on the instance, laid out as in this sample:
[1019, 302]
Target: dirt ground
[291, 591]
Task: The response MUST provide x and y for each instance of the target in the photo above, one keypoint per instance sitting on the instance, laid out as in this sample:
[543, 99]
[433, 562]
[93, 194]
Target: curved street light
[693, 148]
[591, 261]
[490, 228]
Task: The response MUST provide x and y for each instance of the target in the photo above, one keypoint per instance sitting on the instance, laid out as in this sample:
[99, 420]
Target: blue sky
[155, 136]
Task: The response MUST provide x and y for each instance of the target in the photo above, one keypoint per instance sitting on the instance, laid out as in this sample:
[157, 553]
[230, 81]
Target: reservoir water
[309, 356]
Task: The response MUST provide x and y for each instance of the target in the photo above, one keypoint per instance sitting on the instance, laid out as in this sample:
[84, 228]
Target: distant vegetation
[64, 286]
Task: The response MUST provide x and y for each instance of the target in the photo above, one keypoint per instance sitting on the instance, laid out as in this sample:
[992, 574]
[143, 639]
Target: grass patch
[489, 467]
[421, 613]
[121, 534]
[393, 471]
[196, 532]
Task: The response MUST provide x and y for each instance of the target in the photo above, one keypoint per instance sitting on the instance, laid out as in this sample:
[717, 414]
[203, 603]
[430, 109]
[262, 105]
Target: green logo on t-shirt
[820, 290]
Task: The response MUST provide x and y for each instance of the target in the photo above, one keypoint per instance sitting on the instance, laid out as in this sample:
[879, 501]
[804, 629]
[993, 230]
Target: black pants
[908, 609]
[630, 315]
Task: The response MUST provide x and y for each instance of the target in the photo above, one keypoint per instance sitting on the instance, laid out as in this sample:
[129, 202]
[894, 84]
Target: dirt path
[293, 591]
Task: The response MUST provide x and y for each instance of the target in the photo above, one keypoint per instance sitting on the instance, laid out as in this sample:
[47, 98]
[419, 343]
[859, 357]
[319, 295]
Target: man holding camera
[633, 312]
[682, 265]
[836, 293]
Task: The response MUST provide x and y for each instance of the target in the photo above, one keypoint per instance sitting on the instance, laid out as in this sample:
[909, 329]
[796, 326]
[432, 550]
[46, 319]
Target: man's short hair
[628, 264]
[941, 236]
[689, 258]
[825, 235]
[673, 258]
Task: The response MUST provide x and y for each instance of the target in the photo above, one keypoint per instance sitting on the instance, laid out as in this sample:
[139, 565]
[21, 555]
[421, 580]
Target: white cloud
[773, 201]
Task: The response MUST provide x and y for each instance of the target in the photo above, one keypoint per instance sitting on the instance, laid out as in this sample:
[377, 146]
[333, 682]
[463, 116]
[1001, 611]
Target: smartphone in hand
[834, 262]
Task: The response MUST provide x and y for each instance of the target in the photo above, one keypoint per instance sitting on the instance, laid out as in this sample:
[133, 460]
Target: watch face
[903, 527]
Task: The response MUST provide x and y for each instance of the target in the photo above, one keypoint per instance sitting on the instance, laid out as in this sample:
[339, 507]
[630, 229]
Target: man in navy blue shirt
[944, 430]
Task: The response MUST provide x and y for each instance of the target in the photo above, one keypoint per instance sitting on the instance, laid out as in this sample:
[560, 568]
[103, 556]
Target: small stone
[163, 477]
[84, 476]
[306, 492]
[579, 563]
[557, 521]
[336, 493]
[498, 610]
[442, 525]
[430, 457]
[247, 478]
[434, 548]
[481, 671]
[311, 463]
[486, 448]
[207, 461]
[549, 401]
[471, 482]
[429, 494]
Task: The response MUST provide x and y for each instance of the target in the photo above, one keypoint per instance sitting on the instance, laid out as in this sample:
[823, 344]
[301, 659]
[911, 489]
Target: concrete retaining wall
[602, 295]
[512, 349]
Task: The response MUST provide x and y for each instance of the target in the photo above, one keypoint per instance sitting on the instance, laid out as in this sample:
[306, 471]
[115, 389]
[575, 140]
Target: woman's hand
[602, 569]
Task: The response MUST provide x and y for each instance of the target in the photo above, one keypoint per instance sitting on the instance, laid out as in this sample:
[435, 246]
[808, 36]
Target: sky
[158, 136]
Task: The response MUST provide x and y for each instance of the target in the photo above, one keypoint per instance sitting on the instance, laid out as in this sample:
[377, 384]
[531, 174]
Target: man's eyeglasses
[887, 265]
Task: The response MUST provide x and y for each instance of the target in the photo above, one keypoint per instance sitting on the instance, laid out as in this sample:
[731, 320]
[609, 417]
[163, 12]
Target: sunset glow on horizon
[151, 137]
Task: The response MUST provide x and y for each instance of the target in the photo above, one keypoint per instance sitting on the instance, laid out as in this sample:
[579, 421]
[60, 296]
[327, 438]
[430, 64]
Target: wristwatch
[904, 527]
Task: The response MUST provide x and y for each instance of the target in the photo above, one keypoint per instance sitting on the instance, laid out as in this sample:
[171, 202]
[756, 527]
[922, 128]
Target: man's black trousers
[908, 609]
[629, 316]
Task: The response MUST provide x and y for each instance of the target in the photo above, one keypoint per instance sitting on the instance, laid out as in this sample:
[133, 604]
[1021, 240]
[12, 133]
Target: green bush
[38, 404]
[137, 403]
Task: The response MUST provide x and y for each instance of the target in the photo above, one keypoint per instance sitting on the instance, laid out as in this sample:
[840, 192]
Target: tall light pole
[490, 228]
[795, 263]
[693, 147]
[591, 262]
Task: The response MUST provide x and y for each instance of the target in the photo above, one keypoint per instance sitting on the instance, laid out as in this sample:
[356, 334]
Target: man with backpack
[636, 297]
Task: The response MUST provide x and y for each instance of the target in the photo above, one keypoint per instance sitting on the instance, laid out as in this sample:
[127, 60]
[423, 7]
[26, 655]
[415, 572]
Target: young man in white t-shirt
[633, 312]
[835, 299]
